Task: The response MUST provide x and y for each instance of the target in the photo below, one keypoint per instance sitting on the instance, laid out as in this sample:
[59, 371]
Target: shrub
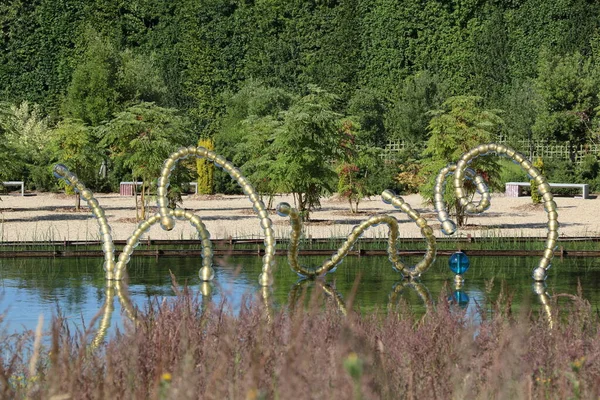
[206, 169]
[536, 198]
[510, 172]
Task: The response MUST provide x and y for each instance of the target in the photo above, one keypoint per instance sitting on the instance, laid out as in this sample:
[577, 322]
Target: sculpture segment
[461, 172]
[284, 209]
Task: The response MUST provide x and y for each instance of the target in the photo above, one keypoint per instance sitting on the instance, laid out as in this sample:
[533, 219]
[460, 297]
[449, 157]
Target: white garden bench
[16, 183]
[513, 189]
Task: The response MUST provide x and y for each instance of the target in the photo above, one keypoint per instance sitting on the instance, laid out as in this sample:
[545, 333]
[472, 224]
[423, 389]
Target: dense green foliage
[215, 63]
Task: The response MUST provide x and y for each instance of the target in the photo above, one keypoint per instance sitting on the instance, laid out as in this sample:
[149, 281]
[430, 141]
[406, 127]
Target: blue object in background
[459, 298]
[459, 262]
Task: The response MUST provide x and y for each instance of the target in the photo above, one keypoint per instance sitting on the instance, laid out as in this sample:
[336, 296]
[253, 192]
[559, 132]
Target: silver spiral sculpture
[284, 209]
[462, 172]
[166, 218]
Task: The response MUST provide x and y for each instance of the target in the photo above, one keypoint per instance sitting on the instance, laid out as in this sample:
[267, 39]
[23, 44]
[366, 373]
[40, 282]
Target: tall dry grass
[182, 349]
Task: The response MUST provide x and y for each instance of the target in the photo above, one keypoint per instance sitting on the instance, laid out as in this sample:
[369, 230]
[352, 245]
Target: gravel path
[42, 217]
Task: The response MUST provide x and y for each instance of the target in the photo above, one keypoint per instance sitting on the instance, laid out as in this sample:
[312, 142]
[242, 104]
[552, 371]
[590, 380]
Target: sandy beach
[48, 216]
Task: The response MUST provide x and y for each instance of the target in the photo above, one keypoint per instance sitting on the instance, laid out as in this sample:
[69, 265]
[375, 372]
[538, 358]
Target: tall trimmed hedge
[206, 169]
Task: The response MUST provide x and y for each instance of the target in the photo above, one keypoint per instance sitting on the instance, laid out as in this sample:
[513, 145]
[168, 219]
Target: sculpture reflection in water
[539, 288]
[120, 289]
[301, 287]
[458, 297]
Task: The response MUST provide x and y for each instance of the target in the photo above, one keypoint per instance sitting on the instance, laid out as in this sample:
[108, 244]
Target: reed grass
[181, 349]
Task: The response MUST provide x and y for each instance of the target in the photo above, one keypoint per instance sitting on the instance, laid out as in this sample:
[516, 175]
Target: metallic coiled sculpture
[462, 172]
[284, 209]
[115, 270]
[166, 217]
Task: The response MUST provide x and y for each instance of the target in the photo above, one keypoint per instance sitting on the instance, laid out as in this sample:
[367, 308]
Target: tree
[457, 127]
[490, 57]
[357, 172]
[521, 106]
[36, 49]
[7, 154]
[563, 27]
[259, 134]
[71, 143]
[27, 135]
[205, 169]
[536, 197]
[252, 115]
[211, 48]
[305, 147]
[368, 109]
[92, 95]
[26, 127]
[138, 78]
[409, 117]
[568, 87]
[293, 150]
[141, 138]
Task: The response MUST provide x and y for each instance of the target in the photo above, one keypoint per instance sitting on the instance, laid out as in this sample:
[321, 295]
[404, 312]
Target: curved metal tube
[206, 273]
[62, 172]
[448, 226]
[116, 271]
[167, 222]
[461, 172]
[284, 209]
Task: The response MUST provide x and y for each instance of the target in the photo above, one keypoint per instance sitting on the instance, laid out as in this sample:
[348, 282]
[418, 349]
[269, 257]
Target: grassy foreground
[183, 350]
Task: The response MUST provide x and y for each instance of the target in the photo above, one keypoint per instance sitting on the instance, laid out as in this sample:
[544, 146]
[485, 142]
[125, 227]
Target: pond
[76, 287]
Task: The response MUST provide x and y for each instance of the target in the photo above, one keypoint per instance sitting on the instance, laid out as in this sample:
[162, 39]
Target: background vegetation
[325, 82]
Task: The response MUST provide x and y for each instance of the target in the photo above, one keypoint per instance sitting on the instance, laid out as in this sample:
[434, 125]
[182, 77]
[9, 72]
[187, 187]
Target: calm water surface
[76, 287]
